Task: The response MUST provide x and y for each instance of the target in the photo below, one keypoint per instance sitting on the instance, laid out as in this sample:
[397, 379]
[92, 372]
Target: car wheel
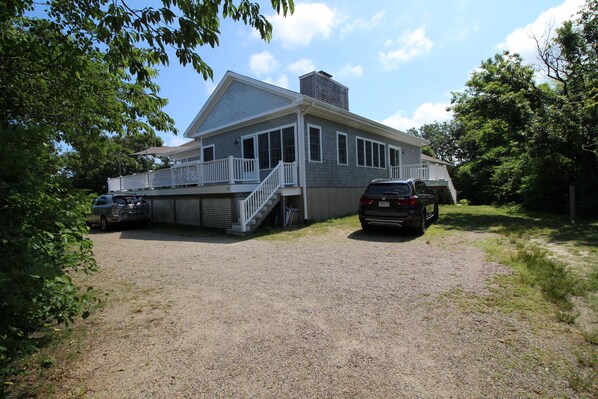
[421, 228]
[435, 216]
[104, 226]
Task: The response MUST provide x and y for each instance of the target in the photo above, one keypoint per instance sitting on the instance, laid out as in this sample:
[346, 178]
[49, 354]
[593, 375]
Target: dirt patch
[346, 314]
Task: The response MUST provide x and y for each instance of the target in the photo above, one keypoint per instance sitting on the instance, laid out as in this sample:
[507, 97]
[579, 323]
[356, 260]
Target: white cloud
[363, 24]
[302, 66]
[410, 45]
[425, 113]
[521, 39]
[351, 71]
[281, 81]
[263, 63]
[310, 20]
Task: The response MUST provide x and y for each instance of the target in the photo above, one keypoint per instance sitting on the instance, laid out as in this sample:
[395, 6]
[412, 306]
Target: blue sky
[401, 59]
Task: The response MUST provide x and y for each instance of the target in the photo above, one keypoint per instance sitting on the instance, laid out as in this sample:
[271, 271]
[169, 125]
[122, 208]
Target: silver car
[108, 210]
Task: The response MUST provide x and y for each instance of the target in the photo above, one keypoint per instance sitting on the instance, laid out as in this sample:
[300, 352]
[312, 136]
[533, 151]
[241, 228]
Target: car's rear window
[388, 189]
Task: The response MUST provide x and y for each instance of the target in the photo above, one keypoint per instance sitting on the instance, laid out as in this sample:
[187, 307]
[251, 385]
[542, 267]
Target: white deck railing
[284, 174]
[424, 172]
[228, 170]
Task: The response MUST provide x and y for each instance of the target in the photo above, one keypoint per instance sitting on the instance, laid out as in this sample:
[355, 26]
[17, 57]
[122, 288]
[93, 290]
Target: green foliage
[43, 240]
[527, 143]
[79, 74]
[90, 165]
[444, 140]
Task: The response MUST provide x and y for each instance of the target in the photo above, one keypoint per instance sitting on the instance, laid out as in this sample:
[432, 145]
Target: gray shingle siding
[225, 142]
[241, 101]
[329, 174]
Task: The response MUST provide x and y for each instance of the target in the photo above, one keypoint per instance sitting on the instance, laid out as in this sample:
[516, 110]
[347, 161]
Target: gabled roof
[294, 100]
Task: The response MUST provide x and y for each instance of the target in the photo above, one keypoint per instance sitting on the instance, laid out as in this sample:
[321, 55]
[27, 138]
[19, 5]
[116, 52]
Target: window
[341, 148]
[263, 150]
[315, 144]
[208, 153]
[288, 144]
[360, 152]
[370, 153]
[275, 148]
[276, 145]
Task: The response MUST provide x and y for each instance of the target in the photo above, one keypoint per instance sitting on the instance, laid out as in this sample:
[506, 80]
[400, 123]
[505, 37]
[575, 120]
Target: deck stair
[258, 204]
[258, 218]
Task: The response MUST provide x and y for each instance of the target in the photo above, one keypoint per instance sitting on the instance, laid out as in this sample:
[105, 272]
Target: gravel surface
[343, 314]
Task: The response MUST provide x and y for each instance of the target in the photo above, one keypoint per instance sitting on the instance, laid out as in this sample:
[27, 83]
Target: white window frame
[338, 161]
[365, 141]
[309, 127]
[281, 128]
[398, 150]
[203, 148]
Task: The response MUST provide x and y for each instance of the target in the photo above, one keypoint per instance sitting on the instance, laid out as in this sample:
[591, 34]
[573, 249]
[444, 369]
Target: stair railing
[250, 206]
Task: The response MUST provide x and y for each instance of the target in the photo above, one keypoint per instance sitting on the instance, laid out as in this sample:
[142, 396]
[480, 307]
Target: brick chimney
[319, 85]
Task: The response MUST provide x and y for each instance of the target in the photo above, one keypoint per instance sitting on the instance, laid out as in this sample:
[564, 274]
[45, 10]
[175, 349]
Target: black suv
[398, 203]
[119, 209]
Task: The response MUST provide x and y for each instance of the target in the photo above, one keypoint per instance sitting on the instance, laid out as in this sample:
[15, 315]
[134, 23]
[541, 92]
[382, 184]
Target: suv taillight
[411, 201]
[365, 201]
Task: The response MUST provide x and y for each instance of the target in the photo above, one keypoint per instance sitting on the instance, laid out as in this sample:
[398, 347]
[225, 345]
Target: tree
[564, 145]
[80, 73]
[496, 111]
[444, 139]
[89, 166]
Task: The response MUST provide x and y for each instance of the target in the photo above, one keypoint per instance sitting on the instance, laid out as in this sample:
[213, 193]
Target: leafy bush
[42, 241]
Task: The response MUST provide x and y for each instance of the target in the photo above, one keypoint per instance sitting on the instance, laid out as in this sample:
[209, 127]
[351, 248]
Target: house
[256, 145]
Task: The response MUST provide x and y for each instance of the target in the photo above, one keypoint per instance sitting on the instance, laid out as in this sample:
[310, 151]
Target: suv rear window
[388, 189]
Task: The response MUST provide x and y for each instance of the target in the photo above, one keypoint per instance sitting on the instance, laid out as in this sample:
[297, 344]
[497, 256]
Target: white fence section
[228, 170]
[424, 172]
[283, 174]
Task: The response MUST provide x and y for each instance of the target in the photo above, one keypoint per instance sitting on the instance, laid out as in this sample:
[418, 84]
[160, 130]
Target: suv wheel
[435, 217]
[104, 224]
[421, 229]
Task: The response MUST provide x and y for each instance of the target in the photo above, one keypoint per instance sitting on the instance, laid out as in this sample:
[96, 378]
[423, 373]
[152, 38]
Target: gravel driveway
[342, 314]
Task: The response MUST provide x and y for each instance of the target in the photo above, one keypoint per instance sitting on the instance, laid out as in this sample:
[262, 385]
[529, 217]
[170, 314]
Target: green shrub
[43, 240]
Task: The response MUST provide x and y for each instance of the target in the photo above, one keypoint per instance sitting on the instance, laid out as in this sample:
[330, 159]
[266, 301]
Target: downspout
[301, 140]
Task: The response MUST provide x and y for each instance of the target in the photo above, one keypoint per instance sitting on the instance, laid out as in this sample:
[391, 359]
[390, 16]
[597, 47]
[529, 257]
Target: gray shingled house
[256, 145]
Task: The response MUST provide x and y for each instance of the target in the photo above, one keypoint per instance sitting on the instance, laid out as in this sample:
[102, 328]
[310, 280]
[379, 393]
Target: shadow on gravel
[383, 234]
[557, 229]
[171, 233]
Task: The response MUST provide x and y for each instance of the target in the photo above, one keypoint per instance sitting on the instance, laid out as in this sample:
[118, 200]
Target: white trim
[301, 158]
[365, 140]
[399, 150]
[267, 131]
[338, 162]
[309, 126]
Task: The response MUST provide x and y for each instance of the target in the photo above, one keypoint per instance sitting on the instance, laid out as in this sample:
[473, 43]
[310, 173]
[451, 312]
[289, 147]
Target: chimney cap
[325, 74]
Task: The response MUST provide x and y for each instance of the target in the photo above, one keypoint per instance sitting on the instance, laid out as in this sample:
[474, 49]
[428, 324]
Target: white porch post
[231, 170]
[295, 174]
[200, 177]
[149, 178]
[256, 170]
[172, 182]
[281, 173]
